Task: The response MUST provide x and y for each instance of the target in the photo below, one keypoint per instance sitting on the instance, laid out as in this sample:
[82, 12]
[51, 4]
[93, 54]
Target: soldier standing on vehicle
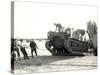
[58, 26]
[75, 35]
[33, 47]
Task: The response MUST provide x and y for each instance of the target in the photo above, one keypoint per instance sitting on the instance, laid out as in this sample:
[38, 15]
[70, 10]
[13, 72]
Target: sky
[34, 20]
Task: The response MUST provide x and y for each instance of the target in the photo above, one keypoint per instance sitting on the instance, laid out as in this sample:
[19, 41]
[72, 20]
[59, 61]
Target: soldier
[33, 47]
[23, 50]
[14, 47]
[75, 35]
[92, 33]
[68, 30]
[58, 26]
[81, 33]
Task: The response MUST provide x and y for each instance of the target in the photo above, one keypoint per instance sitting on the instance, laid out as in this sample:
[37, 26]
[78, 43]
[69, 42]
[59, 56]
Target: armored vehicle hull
[59, 43]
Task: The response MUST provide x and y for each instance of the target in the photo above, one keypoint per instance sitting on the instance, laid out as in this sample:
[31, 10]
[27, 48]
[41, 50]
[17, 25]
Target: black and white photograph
[53, 37]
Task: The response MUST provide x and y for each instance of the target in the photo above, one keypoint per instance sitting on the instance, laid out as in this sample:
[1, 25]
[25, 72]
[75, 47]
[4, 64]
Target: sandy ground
[55, 63]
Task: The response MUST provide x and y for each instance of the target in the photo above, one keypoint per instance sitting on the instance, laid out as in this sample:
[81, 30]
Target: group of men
[78, 34]
[22, 47]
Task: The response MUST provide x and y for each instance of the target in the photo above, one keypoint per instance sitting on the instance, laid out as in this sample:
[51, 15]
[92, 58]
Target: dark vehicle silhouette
[60, 43]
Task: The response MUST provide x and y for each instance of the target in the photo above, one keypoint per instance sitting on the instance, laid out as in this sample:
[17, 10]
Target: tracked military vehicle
[60, 43]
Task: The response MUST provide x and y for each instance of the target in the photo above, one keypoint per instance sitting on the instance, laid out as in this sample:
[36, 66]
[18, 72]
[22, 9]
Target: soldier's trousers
[17, 50]
[23, 50]
[33, 49]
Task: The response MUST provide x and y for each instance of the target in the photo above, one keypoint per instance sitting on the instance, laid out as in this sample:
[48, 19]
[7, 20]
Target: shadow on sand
[39, 61]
